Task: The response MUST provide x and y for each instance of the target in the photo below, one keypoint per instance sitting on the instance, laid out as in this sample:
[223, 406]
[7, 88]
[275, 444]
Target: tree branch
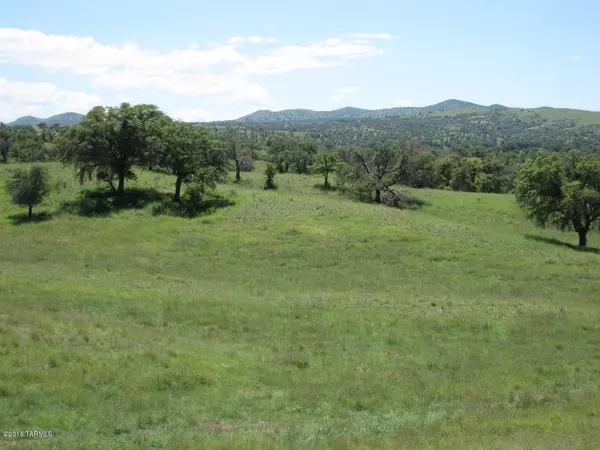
[362, 161]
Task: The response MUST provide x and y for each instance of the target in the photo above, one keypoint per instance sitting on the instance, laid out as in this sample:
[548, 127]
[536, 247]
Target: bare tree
[383, 165]
[239, 150]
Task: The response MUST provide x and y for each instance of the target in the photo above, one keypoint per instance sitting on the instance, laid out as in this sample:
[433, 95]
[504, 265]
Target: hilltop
[452, 124]
[64, 119]
[300, 115]
[445, 108]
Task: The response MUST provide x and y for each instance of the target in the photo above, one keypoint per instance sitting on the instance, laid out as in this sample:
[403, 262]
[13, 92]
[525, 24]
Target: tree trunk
[582, 237]
[326, 185]
[238, 177]
[121, 188]
[112, 186]
[377, 195]
[30, 212]
[178, 182]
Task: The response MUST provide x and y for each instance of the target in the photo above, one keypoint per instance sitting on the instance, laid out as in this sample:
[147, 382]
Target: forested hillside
[490, 128]
[300, 115]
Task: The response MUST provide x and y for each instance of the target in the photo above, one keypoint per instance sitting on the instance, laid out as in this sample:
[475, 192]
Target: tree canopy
[561, 191]
[325, 163]
[187, 150]
[28, 187]
[109, 142]
[378, 168]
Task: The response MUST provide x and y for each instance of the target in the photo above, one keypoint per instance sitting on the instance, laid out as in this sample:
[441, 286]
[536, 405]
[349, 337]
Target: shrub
[28, 188]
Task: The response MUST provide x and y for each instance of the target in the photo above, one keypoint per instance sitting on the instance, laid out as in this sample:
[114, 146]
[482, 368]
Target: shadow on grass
[411, 202]
[20, 219]
[209, 205]
[555, 241]
[102, 203]
[322, 188]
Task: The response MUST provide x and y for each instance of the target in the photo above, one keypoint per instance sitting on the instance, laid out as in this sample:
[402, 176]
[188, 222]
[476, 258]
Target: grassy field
[295, 319]
[551, 114]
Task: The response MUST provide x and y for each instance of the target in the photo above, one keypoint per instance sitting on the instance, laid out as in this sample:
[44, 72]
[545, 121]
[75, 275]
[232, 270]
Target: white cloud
[238, 87]
[575, 57]
[373, 35]
[20, 98]
[250, 40]
[218, 70]
[403, 102]
[347, 90]
[331, 52]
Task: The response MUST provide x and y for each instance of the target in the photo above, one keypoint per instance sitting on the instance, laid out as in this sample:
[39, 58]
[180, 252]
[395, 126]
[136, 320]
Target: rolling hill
[64, 119]
[452, 124]
[305, 115]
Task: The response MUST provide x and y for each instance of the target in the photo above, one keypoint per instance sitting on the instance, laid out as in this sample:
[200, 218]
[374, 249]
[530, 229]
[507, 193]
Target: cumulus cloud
[220, 70]
[20, 98]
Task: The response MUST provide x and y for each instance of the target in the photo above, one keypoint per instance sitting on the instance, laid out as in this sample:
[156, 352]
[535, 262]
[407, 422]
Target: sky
[219, 60]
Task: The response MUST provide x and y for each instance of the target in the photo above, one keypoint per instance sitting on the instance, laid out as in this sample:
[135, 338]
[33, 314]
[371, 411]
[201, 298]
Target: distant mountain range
[446, 108]
[452, 124]
[305, 115]
[64, 119]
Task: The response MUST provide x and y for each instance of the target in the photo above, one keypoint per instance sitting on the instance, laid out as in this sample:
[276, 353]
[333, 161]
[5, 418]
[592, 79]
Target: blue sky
[220, 60]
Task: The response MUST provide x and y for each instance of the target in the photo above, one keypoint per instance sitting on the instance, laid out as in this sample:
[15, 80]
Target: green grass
[296, 319]
[577, 115]
[581, 117]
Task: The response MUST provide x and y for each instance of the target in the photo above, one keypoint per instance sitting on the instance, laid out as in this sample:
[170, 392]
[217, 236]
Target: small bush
[194, 194]
[400, 199]
[28, 188]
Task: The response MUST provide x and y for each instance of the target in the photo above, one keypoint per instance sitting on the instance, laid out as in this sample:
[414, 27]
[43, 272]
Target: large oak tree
[109, 142]
[561, 191]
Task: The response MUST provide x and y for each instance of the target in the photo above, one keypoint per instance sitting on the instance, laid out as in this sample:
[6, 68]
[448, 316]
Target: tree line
[503, 130]
[111, 143]
[28, 143]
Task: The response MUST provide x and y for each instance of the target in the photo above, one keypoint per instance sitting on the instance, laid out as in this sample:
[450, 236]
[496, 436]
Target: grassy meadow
[294, 319]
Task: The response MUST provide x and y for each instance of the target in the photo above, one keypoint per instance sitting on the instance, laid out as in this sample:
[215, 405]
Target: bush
[354, 184]
[194, 195]
[399, 199]
[28, 188]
